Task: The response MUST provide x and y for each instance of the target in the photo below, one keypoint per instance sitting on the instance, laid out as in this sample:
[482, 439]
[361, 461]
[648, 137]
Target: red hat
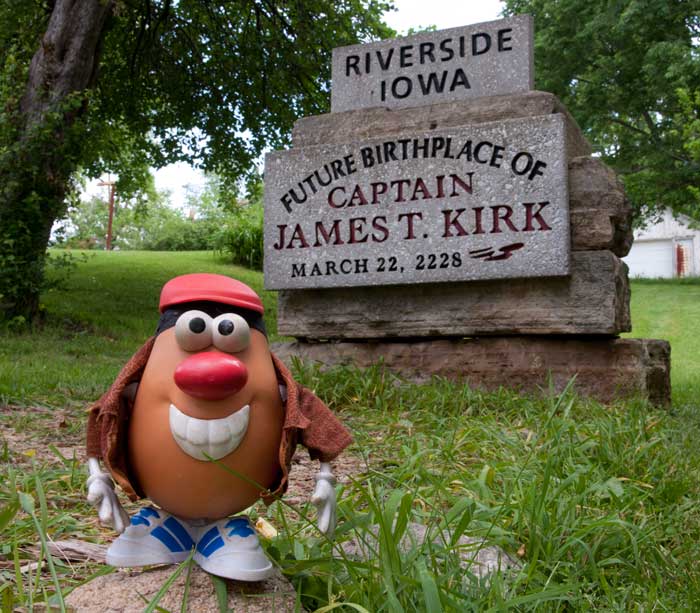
[210, 287]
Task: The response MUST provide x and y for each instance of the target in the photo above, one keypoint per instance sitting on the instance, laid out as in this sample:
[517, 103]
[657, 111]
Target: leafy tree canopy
[211, 83]
[122, 85]
[629, 71]
[216, 82]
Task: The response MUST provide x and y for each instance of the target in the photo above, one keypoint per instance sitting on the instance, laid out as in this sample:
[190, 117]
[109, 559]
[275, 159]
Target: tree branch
[653, 138]
[263, 51]
[651, 125]
[629, 126]
[145, 20]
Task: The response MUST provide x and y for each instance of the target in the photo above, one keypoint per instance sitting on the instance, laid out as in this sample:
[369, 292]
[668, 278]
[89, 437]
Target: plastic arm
[324, 499]
[101, 494]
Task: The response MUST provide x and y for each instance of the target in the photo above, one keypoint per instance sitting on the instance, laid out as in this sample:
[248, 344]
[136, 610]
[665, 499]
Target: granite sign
[450, 221]
[487, 201]
[479, 60]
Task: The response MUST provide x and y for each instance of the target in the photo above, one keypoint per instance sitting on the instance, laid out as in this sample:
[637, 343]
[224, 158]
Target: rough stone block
[486, 201]
[477, 556]
[601, 216]
[467, 62]
[365, 124]
[593, 300]
[605, 369]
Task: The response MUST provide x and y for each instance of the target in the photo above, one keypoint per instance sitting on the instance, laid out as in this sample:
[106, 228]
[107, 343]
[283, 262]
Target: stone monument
[448, 219]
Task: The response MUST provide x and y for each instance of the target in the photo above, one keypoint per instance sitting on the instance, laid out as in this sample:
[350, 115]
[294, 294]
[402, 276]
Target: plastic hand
[324, 500]
[100, 494]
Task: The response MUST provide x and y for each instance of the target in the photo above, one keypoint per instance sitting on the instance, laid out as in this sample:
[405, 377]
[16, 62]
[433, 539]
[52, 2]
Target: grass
[599, 505]
[601, 501]
[98, 318]
[670, 310]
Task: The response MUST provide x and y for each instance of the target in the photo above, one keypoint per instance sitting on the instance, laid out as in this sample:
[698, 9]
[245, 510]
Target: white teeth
[178, 421]
[208, 438]
[220, 434]
[197, 432]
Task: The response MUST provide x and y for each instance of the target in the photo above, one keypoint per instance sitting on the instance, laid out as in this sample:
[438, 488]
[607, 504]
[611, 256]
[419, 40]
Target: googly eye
[231, 333]
[193, 330]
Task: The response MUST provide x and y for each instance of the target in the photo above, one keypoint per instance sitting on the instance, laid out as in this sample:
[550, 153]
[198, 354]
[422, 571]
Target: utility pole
[112, 188]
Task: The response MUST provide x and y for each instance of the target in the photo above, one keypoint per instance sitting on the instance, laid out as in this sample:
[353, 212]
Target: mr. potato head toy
[204, 420]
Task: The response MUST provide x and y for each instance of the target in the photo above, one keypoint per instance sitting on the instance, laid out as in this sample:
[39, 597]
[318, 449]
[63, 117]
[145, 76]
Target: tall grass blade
[153, 604]
[430, 589]
[7, 602]
[23, 597]
[221, 590]
[8, 512]
[186, 592]
[337, 605]
[27, 502]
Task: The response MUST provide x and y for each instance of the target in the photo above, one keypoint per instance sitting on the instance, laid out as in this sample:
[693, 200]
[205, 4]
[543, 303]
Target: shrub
[179, 233]
[242, 239]
[155, 227]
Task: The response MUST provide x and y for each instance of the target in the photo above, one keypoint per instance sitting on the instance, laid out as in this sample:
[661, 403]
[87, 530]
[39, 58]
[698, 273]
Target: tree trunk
[36, 168]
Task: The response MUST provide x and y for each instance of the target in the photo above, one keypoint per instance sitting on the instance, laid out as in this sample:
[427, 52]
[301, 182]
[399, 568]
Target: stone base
[605, 368]
[124, 592]
[593, 300]
[380, 122]
[476, 556]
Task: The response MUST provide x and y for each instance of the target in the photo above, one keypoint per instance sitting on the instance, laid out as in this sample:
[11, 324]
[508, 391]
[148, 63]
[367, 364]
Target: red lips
[211, 375]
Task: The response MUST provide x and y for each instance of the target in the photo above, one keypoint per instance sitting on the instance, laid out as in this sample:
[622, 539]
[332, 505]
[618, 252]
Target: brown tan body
[181, 484]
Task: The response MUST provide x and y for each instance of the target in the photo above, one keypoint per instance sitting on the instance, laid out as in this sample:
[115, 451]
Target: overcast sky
[409, 14]
[441, 13]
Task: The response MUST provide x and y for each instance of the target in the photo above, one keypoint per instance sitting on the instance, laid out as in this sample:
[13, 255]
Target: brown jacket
[307, 421]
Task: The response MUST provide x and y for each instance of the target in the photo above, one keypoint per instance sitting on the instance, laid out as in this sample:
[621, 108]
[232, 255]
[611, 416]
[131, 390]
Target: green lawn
[670, 310]
[105, 310]
[599, 504]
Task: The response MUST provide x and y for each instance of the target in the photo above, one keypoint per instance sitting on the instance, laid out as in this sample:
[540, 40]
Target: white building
[669, 248]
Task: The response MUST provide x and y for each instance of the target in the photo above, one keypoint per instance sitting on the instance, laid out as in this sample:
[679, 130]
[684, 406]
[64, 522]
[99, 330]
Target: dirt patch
[303, 472]
[21, 447]
[131, 590]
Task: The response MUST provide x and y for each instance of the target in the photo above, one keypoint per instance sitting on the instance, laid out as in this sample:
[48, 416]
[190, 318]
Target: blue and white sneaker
[153, 537]
[230, 548]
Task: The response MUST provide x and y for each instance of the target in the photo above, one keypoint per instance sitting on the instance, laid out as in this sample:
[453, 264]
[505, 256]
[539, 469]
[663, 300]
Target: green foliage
[150, 222]
[670, 309]
[597, 504]
[629, 72]
[224, 79]
[574, 487]
[38, 155]
[95, 320]
[690, 124]
[85, 224]
[31, 197]
[571, 490]
[34, 504]
[243, 239]
[240, 234]
[214, 83]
